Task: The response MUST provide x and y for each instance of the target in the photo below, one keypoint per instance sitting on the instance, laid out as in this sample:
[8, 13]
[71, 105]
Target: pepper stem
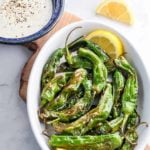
[124, 123]
[68, 55]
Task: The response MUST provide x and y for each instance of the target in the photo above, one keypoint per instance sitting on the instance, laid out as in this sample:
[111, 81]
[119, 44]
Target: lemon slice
[109, 42]
[115, 9]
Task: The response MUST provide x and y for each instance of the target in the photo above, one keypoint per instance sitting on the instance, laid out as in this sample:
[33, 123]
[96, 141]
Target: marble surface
[15, 131]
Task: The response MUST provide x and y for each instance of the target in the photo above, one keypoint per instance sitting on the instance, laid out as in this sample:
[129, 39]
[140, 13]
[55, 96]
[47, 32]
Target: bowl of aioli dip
[23, 21]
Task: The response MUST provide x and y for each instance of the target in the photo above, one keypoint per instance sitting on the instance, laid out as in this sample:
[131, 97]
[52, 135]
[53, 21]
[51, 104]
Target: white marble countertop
[15, 131]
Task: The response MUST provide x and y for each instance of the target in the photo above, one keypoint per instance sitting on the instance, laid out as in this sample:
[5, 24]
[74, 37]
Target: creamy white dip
[20, 18]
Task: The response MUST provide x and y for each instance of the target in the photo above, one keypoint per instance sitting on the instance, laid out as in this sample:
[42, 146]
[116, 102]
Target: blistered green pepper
[99, 70]
[80, 108]
[130, 93]
[64, 67]
[72, 86]
[79, 62]
[100, 142]
[131, 138]
[118, 86]
[90, 119]
[82, 42]
[53, 87]
[129, 99]
[123, 64]
[108, 126]
[51, 66]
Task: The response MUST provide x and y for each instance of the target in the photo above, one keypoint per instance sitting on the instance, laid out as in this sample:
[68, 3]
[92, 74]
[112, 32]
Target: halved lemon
[115, 9]
[109, 42]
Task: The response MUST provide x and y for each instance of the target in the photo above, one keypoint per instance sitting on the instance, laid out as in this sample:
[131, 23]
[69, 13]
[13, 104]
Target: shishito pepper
[123, 64]
[51, 66]
[77, 110]
[53, 87]
[130, 93]
[72, 86]
[99, 70]
[91, 118]
[131, 138]
[82, 42]
[108, 126]
[99, 142]
[118, 87]
[129, 99]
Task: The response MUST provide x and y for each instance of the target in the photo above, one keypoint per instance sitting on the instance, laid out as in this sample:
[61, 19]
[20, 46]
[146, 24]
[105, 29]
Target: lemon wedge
[116, 10]
[109, 42]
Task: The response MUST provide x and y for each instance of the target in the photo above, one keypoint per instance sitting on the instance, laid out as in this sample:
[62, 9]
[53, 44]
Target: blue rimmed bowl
[58, 6]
